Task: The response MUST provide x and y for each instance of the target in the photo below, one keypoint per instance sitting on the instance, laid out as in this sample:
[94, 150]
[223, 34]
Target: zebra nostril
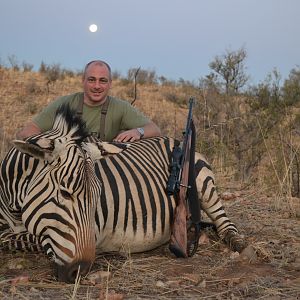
[74, 270]
[73, 275]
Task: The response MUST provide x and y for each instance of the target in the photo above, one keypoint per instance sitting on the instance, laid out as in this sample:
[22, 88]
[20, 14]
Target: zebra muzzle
[69, 273]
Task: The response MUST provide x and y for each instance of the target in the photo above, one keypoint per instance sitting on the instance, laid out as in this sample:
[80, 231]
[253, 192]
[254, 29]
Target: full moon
[93, 28]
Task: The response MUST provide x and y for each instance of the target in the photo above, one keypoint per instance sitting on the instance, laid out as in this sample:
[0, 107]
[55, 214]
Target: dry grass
[267, 217]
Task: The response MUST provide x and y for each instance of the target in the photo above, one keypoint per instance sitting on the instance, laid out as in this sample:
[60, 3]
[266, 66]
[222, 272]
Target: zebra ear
[101, 149]
[37, 148]
[113, 147]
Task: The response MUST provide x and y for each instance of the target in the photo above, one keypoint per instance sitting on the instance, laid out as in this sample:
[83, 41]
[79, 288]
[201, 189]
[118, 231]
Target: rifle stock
[178, 240]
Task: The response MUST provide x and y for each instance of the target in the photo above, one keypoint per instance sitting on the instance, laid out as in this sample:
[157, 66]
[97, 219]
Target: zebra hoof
[234, 241]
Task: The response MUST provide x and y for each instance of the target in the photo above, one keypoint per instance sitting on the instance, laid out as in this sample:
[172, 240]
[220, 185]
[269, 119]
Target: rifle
[187, 223]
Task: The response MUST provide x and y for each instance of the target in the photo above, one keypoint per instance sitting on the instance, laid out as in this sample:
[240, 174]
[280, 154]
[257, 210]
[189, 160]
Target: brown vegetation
[253, 145]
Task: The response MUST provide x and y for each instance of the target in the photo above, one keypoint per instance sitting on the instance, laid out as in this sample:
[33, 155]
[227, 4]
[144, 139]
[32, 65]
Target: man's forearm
[29, 130]
[151, 130]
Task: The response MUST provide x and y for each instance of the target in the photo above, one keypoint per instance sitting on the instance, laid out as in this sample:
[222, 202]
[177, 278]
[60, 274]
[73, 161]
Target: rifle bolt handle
[186, 186]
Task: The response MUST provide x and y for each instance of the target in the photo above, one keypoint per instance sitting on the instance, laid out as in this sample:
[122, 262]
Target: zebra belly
[130, 242]
[134, 232]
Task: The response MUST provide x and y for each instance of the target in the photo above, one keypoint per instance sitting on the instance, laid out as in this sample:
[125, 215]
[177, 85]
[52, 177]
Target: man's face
[96, 84]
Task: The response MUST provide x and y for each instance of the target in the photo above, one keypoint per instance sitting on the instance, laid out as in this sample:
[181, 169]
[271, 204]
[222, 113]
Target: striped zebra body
[134, 207]
[69, 200]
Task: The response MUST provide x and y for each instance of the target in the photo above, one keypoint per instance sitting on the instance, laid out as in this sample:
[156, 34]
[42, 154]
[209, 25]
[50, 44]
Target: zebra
[71, 197]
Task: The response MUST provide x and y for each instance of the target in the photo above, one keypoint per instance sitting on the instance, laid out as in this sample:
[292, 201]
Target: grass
[265, 212]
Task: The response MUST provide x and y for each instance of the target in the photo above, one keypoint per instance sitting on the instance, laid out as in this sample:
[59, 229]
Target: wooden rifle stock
[178, 240]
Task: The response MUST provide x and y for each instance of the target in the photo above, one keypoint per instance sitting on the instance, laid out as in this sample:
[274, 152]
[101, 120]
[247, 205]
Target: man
[123, 123]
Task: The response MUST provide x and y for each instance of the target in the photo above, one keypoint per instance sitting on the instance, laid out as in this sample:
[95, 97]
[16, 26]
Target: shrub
[13, 62]
[291, 87]
[27, 67]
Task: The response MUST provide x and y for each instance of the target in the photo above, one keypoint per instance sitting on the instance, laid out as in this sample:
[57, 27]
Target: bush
[13, 62]
[291, 87]
[142, 76]
[27, 67]
[43, 68]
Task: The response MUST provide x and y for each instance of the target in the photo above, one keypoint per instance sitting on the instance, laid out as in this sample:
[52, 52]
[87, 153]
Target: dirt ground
[269, 268]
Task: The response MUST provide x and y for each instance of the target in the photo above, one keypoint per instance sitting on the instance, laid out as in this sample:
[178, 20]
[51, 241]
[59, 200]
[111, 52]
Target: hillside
[255, 158]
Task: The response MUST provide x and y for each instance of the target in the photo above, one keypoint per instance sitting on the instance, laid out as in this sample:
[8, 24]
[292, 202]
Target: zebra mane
[67, 121]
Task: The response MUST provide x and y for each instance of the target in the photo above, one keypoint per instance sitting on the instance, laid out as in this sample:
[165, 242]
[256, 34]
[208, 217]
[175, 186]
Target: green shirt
[120, 115]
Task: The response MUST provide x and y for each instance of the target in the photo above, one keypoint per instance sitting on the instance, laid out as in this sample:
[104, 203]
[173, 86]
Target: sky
[175, 38]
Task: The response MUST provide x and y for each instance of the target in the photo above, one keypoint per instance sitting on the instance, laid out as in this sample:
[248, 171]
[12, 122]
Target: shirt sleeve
[133, 118]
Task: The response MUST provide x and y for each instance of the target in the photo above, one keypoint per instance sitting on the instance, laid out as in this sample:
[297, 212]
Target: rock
[249, 255]
[160, 284]
[228, 196]
[234, 255]
[204, 239]
[97, 277]
[202, 284]
[20, 279]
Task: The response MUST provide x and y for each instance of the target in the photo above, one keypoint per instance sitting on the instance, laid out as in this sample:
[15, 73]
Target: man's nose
[97, 84]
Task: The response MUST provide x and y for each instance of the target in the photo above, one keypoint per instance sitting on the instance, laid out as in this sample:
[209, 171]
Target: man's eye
[91, 80]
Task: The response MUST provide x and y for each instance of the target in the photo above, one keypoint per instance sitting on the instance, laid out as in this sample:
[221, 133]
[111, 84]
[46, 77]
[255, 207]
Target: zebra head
[60, 203]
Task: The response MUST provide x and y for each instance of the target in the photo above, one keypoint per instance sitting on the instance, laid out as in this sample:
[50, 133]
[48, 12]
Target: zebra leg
[24, 241]
[212, 205]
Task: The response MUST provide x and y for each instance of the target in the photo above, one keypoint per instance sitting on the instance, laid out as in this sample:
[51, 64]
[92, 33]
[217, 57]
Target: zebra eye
[66, 194]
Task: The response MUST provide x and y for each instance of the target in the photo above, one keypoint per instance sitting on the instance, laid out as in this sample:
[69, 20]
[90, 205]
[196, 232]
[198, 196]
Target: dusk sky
[175, 38]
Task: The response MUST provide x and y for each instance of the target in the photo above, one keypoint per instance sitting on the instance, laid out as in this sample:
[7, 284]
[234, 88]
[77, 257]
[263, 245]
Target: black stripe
[113, 187]
[51, 216]
[34, 167]
[63, 234]
[200, 164]
[158, 182]
[27, 205]
[219, 209]
[128, 195]
[205, 183]
[137, 181]
[216, 202]
[212, 191]
[11, 171]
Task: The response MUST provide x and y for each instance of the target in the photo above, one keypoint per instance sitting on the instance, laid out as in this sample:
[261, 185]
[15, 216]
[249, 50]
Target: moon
[93, 28]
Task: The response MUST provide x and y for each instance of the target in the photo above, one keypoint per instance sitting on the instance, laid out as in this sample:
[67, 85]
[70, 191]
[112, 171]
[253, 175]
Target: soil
[269, 268]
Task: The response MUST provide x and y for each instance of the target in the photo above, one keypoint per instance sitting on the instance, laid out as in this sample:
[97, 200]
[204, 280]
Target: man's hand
[150, 130]
[128, 136]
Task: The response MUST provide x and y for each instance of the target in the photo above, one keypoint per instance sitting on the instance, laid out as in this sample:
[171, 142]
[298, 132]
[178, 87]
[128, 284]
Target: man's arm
[150, 130]
[29, 130]
[42, 122]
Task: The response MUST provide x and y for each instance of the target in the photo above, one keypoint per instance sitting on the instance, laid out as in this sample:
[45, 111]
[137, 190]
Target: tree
[14, 62]
[267, 94]
[143, 76]
[230, 67]
[291, 87]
